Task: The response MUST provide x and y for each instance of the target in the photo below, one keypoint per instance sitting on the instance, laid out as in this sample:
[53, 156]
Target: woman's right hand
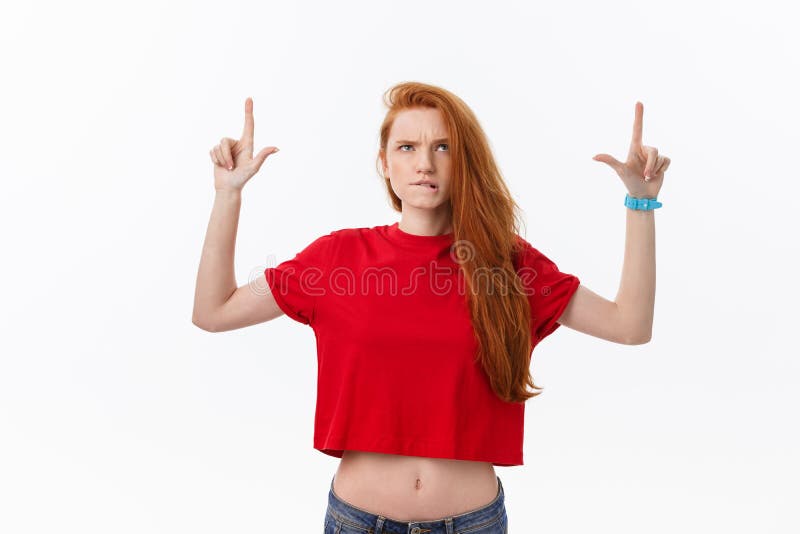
[234, 163]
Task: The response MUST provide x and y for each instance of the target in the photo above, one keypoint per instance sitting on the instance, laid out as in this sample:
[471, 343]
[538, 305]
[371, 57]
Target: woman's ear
[384, 163]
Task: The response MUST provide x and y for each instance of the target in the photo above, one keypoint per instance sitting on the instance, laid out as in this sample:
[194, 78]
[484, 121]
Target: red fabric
[396, 369]
[549, 291]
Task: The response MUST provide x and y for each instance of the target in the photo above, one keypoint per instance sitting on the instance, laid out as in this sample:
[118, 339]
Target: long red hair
[486, 218]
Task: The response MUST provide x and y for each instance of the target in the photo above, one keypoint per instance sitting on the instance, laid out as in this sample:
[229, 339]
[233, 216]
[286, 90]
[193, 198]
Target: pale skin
[408, 488]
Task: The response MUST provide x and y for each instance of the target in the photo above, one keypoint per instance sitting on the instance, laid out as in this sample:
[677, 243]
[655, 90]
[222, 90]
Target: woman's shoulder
[527, 254]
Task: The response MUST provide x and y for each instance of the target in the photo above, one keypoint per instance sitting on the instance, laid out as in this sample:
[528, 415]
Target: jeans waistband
[347, 513]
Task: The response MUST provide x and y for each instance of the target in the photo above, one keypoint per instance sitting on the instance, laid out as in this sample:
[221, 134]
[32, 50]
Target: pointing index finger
[247, 133]
[637, 126]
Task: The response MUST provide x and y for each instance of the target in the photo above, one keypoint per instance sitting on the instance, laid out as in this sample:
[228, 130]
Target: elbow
[639, 338]
[202, 323]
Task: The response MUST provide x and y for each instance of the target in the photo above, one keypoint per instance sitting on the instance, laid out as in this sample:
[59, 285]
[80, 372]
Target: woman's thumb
[261, 156]
[609, 160]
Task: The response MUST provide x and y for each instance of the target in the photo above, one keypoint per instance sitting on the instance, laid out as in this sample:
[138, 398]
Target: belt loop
[448, 525]
[379, 524]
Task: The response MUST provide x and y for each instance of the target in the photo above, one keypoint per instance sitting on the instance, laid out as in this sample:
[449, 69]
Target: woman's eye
[440, 144]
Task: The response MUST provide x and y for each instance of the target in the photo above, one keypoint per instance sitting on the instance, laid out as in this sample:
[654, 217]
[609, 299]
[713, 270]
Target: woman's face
[419, 149]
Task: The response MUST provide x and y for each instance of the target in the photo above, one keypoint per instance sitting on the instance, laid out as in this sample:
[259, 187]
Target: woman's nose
[424, 163]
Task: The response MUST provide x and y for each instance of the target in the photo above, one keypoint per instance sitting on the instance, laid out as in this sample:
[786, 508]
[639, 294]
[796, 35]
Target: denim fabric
[344, 518]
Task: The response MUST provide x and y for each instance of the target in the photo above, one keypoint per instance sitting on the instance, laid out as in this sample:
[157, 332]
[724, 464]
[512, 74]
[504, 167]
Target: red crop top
[396, 369]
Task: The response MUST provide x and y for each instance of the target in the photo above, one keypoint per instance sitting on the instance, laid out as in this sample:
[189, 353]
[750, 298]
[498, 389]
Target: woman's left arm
[629, 318]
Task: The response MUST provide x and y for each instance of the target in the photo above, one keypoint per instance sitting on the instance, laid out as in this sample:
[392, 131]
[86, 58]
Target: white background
[118, 415]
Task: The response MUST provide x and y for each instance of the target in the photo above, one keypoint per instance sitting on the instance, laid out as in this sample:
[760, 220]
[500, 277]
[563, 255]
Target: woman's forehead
[414, 124]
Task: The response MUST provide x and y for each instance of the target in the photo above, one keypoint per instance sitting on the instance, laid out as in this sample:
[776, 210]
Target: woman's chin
[424, 204]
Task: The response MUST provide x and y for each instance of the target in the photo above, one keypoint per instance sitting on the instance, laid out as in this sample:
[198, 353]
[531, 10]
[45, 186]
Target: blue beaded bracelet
[643, 204]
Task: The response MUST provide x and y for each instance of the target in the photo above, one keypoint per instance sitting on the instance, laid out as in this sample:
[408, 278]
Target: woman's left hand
[643, 172]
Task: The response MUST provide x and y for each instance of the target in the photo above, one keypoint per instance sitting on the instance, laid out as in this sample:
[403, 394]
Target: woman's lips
[428, 186]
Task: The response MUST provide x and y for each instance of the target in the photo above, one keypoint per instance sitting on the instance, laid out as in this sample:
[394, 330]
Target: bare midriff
[413, 488]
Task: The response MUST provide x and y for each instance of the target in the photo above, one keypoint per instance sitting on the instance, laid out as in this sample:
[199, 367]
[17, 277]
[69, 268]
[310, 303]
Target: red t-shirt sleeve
[549, 291]
[298, 283]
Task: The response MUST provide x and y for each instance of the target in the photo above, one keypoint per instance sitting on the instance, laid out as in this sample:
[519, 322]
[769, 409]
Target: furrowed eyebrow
[405, 142]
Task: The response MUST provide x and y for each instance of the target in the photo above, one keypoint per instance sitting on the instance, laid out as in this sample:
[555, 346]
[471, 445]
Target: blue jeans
[344, 518]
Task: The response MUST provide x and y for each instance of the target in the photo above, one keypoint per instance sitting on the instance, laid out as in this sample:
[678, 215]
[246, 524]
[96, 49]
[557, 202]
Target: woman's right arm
[218, 304]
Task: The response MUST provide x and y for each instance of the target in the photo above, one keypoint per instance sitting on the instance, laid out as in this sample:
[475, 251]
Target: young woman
[425, 327]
